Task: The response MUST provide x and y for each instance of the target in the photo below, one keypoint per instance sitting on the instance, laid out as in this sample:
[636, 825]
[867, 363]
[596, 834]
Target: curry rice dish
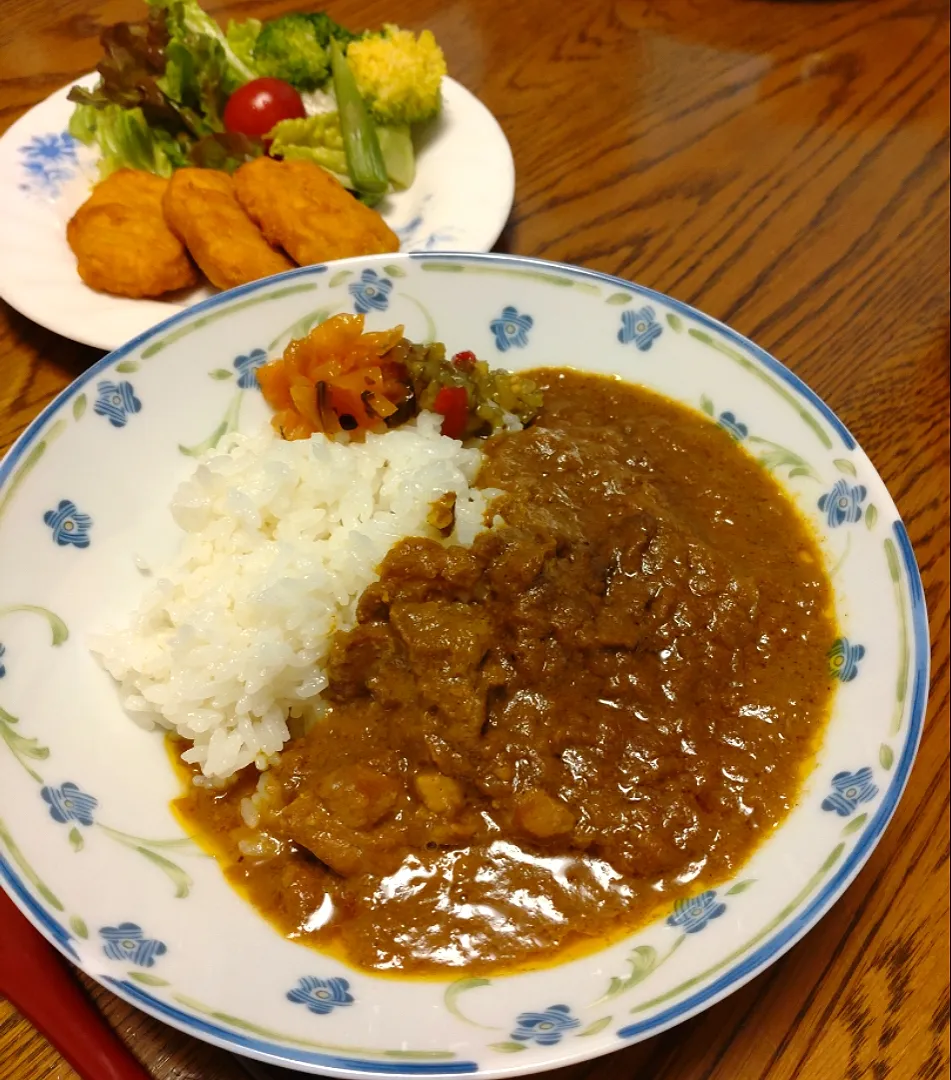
[538, 742]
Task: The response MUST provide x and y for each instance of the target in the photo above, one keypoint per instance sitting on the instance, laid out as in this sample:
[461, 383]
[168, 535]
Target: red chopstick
[36, 979]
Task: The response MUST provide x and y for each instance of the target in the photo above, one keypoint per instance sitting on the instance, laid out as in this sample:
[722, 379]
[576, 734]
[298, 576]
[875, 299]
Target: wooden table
[784, 167]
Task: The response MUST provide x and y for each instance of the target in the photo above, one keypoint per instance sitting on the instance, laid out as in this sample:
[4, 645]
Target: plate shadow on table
[71, 356]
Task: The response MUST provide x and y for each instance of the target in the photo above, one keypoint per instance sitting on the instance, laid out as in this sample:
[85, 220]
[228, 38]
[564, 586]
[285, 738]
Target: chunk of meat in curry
[533, 744]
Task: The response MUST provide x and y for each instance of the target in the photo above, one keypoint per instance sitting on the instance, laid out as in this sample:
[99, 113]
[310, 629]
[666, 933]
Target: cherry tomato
[464, 361]
[253, 109]
[452, 402]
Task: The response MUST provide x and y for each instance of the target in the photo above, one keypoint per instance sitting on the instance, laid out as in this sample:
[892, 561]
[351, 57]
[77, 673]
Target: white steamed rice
[280, 539]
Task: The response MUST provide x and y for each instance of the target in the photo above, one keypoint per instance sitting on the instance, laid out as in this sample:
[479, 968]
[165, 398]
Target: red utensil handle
[37, 981]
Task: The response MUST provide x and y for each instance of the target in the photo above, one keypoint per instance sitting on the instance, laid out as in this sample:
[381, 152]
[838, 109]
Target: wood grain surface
[785, 168]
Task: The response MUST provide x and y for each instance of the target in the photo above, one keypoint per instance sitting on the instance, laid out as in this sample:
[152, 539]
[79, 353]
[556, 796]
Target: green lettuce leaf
[314, 138]
[198, 32]
[399, 157]
[127, 141]
[82, 124]
[241, 36]
[224, 150]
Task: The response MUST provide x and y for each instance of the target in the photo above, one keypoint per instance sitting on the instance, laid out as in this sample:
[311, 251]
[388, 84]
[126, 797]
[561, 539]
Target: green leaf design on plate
[430, 334]
[28, 872]
[507, 1047]
[270, 1033]
[774, 457]
[901, 687]
[871, 515]
[184, 844]
[706, 405]
[595, 1028]
[892, 559]
[740, 887]
[76, 841]
[20, 746]
[886, 756]
[229, 423]
[29, 462]
[619, 298]
[220, 374]
[754, 369]
[504, 271]
[146, 979]
[79, 406]
[675, 322]
[830, 860]
[642, 961]
[178, 877]
[302, 326]
[339, 278]
[128, 366]
[58, 628]
[844, 466]
[175, 873]
[855, 824]
[459, 987]
[222, 313]
[394, 271]
[78, 927]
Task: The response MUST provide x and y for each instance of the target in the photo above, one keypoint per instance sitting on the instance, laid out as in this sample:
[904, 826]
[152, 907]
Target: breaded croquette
[306, 211]
[121, 241]
[201, 208]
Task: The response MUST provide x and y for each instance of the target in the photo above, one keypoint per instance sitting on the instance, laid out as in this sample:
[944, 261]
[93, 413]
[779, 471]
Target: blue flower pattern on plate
[546, 1027]
[693, 915]
[128, 942]
[69, 802]
[848, 790]
[410, 242]
[729, 422]
[370, 293]
[511, 329]
[68, 525]
[435, 240]
[3, 650]
[843, 504]
[321, 996]
[641, 327]
[406, 232]
[116, 402]
[844, 659]
[246, 366]
[48, 161]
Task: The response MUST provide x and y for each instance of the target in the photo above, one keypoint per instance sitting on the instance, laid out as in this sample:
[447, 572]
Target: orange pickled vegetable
[338, 378]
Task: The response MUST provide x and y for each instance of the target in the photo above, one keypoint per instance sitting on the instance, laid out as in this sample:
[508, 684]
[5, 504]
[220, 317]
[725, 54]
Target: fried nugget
[121, 241]
[309, 213]
[203, 211]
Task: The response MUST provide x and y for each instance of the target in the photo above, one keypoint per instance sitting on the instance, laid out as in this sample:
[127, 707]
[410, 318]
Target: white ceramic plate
[88, 847]
[460, 201]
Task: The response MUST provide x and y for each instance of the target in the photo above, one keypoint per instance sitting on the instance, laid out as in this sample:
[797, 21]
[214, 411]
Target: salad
[176, 90]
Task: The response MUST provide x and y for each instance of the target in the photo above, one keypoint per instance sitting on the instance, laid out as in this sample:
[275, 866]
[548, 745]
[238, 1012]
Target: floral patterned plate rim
[460, 201]
[88, 847]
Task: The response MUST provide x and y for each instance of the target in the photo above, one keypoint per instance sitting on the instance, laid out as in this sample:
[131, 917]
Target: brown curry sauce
[535, 743]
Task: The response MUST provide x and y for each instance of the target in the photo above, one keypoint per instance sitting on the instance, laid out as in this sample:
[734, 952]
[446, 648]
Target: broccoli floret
[398, 75]
[296, 48]
[326, 30]
[287, 48]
